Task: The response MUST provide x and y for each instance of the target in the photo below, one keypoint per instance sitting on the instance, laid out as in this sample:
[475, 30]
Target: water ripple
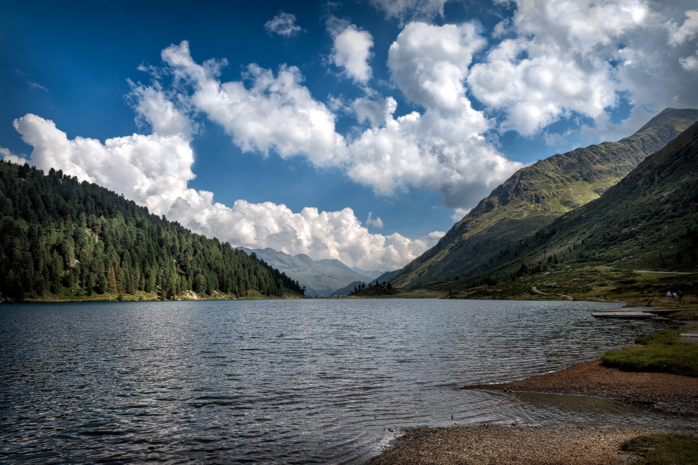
[284, 381]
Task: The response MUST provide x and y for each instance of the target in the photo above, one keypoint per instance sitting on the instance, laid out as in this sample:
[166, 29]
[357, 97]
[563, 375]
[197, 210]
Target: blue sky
[410, 110]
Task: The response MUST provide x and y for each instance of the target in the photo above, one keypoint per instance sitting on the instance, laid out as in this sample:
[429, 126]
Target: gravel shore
[498, 444]
[660, 391]
[542, 445]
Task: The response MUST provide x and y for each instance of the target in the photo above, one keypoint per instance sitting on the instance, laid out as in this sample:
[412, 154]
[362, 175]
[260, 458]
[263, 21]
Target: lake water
[326, 381]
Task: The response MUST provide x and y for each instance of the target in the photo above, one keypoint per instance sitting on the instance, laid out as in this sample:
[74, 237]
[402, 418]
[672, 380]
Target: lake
[285, 381]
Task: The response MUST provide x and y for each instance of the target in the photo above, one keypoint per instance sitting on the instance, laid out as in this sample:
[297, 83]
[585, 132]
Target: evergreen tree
[59, 235]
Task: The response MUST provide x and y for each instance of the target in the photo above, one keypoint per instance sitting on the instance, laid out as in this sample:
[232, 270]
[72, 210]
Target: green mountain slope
[534, 196]
[60, 238]
[649, 220]
[635, 242]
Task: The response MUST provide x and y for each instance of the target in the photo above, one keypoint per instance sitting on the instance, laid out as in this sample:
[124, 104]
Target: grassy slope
[534, 196]
[664, 449]
[649, 221]
[662, 352]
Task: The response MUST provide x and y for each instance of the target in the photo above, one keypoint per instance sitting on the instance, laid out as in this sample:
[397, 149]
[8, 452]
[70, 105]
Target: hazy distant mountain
[371, 273]
[534, 196]
[320, 277]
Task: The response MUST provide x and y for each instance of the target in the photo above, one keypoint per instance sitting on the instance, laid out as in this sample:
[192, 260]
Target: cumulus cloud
[11, 157]
[153, 170]
[283, 24]
[429, 63]
[374, 109]
[375, 222]
[441, 149]
[567, 57]
[688, 30]
[410, 9]
[689, 63]
[276, 113]
[351, 51]
[436, 235]
[154, 108]
[459, 213]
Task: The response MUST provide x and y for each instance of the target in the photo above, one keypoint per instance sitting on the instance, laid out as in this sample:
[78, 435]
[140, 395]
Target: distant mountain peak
[320, 277]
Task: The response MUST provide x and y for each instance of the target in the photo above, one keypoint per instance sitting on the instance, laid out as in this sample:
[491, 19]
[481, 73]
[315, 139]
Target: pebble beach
[543, 445]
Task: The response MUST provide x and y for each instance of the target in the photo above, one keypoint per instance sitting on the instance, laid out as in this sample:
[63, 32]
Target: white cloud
[375, 222]
[436, 235]
[375, 109]
[351, 52]
[429, 63]
[688, 30]
[570, 57]
[275, 113]
[442, 149]
[689, 63]
[153, 170]
[459, 213]
[11, 157]
[410, 9]
[156, 109]
[283, 24]
[431, 152]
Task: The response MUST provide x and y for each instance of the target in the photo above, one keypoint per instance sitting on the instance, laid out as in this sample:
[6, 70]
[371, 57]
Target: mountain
[320, 277]
[648, 220]
[65, 239]
[384, 277]
[534, 196]
[374, 274]
[346, 290]
[638, 240]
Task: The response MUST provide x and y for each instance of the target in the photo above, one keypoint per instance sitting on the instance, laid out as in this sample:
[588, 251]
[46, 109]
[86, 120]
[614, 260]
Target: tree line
[62, 237]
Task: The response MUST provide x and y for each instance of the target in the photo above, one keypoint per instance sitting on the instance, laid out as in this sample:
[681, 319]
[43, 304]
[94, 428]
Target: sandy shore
[498, 444]
[660, 391]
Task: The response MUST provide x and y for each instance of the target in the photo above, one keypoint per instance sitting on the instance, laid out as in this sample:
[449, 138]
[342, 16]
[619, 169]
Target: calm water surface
[285, 381]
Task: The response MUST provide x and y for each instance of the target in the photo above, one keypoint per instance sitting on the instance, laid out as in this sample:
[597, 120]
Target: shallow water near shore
[324, 381]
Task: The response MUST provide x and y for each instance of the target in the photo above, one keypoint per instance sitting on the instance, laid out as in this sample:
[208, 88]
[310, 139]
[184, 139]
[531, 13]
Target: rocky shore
[542, 445]
[499, 444]
[660, 391]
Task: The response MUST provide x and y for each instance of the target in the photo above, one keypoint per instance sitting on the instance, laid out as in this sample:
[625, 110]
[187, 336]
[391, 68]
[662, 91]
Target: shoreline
[662, 392]
[501, 444]
[523, 445]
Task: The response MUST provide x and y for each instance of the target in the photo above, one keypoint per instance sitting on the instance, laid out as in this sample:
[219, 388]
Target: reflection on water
[284, 381]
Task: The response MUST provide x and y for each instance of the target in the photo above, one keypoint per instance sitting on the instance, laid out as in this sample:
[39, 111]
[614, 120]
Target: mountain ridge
[639, 239]
[534, 196]
[320, 277]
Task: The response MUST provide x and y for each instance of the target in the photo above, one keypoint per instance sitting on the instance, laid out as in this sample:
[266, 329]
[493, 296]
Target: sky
[359, 130]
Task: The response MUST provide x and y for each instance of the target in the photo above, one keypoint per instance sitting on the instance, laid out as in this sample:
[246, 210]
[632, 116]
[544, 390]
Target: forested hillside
[61, 238]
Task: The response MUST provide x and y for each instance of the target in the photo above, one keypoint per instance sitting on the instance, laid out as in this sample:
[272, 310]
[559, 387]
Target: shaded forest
[68, 239]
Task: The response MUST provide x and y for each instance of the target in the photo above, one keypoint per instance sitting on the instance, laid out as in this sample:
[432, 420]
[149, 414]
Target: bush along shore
[659, 372]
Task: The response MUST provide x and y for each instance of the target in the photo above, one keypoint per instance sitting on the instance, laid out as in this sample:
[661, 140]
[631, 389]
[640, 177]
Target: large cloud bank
[442, 148]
